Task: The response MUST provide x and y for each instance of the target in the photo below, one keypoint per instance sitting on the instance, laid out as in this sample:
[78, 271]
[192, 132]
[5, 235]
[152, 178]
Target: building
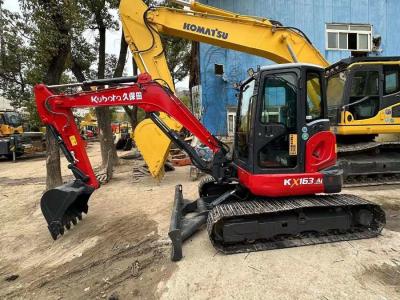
[333, 26]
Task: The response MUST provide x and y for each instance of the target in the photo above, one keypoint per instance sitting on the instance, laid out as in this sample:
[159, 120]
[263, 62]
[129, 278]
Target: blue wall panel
[308, 15]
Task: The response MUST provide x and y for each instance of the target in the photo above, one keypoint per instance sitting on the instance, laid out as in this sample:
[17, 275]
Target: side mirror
[250, 72]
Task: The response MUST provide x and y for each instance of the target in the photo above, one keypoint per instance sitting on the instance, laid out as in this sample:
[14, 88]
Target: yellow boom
[202, 23]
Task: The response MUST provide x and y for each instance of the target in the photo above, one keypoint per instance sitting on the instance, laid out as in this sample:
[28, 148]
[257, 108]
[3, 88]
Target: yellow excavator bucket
[153, 144]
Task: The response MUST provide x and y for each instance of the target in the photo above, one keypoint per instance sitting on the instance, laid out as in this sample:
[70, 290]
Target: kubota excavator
[266, 194]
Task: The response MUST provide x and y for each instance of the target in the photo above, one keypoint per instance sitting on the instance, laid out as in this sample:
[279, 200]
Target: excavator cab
[363, 96]
[282, 126]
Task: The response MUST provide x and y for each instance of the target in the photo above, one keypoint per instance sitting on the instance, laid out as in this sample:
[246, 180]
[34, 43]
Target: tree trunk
[123, 51]
[131, 112]
[103, 114]
[194, 72]
[132, 115]
[53, 167]
[53, 74]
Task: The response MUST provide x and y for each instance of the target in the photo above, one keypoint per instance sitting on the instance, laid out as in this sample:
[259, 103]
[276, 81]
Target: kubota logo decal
[292, 182]
[132, 96]
[206, 31]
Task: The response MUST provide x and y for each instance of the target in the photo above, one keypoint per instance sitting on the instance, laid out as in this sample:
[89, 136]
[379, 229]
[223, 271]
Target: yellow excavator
[14, 141]
[10, 133]
[363, 93]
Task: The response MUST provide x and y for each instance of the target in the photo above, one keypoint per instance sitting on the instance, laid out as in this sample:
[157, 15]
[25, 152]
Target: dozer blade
[153, 144]
[182, 227]
[64, 205]
[266, 224]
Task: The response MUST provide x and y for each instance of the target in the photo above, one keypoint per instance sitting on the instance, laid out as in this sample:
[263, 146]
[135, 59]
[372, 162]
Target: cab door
[276, 143]
[365, 92]
[391, 93]
[290, 110]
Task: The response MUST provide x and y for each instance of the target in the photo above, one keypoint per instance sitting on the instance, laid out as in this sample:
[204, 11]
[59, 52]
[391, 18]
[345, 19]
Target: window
[279, 114]
[280, 99]
[244, 119]
[353, 37]
[335, 89]
[365, 83]
[391, 80]
[231, 120]
[274, 103]
[364, 95]
[314, 93]
[218, 69]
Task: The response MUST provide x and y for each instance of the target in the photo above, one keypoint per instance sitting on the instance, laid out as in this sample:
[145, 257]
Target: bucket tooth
[68, 225]
[55, 230]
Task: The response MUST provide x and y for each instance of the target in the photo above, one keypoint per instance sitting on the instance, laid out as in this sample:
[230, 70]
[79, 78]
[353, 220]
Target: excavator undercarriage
[238, 221]
[370, 163]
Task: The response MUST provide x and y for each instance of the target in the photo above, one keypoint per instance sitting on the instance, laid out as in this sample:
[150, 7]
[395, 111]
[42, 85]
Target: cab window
[314, 95]
[391, 80]
[335, 89]
[280, 100]
[244, 119]
[364, 95]
[365, 83]
[279, 105]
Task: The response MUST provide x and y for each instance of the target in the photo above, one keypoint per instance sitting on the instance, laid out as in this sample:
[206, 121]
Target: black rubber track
[264, 207]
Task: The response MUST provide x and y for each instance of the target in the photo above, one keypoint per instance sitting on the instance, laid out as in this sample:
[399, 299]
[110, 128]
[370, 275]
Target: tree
[52, 20]
[48, 37]
[35, 48]
[177, 52]
[99, 18]
[15, 58]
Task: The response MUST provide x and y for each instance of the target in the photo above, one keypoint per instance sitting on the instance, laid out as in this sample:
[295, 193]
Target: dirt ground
[120, 250]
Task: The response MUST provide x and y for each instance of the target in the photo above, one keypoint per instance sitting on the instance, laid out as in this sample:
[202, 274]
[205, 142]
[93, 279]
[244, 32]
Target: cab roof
[346, 62]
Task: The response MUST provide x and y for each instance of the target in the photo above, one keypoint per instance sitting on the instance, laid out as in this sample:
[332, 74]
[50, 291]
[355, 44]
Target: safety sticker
[73, 141]
[292, 144]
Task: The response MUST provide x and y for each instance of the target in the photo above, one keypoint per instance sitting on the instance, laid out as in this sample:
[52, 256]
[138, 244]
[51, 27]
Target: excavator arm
[55, 111]
[258, 36]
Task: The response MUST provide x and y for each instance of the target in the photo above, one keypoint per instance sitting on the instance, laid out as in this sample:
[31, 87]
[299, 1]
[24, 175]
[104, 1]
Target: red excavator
[277, 187]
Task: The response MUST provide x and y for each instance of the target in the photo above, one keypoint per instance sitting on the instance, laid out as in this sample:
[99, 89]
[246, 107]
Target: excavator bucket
[64, 205]
[153, 144]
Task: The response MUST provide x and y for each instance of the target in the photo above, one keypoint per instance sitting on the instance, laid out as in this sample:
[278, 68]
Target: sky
[113, 40]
